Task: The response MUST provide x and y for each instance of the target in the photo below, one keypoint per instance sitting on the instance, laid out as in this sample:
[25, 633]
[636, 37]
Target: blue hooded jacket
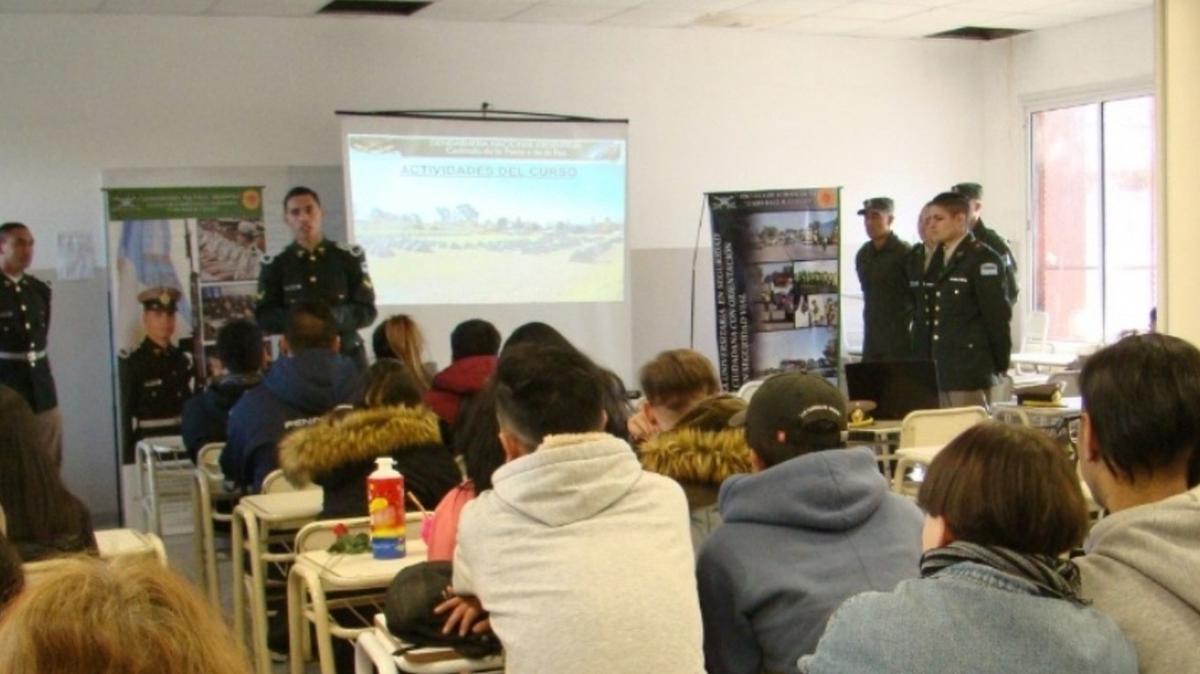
[296, 392]
[797, 540]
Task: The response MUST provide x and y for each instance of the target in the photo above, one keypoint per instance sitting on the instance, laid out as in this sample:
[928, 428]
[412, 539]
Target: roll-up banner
[777, 282]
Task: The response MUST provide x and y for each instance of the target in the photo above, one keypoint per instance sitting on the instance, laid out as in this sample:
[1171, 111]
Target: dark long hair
[477, 437]
[36, 504]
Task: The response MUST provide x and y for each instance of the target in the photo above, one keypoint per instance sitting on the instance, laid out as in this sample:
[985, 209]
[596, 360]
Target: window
[1094, 252]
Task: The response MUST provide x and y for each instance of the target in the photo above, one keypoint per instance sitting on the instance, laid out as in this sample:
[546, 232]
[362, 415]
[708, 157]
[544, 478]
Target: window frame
[1066, 98]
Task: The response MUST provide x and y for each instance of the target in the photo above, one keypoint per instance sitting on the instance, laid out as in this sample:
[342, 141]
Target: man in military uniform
[974, 194]
[966, 307]
[887, 305]
[312, 268]
[156, 377]
[916, 269]
[24, 325]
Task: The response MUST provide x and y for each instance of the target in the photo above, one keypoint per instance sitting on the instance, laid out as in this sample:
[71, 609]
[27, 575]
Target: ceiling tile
[474, 10]
[188, 7]
[1090, 8]
[736, 19]
[1010, 6]
[824, 25]
[874, 11]
[596, 3]
[49, 6]
[702, 5]
[793, 8]
[268, 7]
[1027, 21]
[555, 13]
[654, 16]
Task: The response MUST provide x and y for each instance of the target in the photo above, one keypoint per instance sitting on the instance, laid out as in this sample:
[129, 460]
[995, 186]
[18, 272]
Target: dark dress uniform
[333, 274]
[997, 243]
[24, 325]
[887, 304]
[918, 288]
[967, 317]
[155, 382]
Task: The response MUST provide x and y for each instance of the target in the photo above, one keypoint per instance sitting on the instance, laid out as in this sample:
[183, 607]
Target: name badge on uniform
[294, 286]
[958, 279]
[989, 269]
[7, 314]
[152, 382]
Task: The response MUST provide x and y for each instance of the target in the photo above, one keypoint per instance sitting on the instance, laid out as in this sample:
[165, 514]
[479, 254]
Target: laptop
[897, 387]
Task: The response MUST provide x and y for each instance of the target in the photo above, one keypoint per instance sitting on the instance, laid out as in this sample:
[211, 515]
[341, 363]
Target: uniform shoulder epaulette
[123, 353]
[266, 258]
[353, 249]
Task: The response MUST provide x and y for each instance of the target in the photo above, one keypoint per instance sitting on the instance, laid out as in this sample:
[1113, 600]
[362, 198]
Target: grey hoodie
[799, 539]
[584, 561]
[1142, 568]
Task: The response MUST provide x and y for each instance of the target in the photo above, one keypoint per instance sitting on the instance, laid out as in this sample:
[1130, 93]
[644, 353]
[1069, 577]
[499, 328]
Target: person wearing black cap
[24, 332]
[156, 377]
[815, 525]
[964, 310]
[887, 304]
[313, 268]
[974, 194]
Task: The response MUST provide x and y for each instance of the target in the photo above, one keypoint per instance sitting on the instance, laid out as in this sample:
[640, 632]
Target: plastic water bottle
[385, 503]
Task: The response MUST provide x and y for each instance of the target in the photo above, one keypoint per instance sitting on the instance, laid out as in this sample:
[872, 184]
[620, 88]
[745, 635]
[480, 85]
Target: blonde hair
[118, 617]
[407, 343]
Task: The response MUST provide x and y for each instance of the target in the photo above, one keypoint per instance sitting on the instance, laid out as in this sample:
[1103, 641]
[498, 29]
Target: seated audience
[43, 518]
[399, 338]
[1140, 429]
[700, 452]
[339, 451]
[205, 415]
[478, 441]
[616, 399]
[12, 577]
[672, 383]
[1002, 507]
[473, 348]
[582, 559]
[309, 381]
[119, 617]
[814, 525]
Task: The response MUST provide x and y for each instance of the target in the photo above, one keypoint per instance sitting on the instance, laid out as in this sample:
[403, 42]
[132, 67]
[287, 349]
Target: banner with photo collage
[777, 282]
[198, 249]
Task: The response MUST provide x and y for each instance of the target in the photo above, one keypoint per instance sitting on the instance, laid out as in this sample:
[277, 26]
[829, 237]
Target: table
[883, 436]
[254, 520]
[374, 652]
[1049, 360]
[1055, 421]
[162, 462]
[113, 543]
[316, 573]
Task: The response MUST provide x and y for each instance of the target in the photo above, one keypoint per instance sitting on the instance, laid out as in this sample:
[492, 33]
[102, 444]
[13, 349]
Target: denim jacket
[969, 618]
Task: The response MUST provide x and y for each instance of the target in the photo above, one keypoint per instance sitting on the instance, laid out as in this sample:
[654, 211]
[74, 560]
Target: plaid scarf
[1053, 577]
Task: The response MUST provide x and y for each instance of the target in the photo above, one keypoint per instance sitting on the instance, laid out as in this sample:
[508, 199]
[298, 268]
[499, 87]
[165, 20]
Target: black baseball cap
[810, 410]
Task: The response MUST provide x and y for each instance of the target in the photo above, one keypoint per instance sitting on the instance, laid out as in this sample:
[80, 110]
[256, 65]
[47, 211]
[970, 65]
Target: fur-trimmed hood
[355, 436]
[697, 457]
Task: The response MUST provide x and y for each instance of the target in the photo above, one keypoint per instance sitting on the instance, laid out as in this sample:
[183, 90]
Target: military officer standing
[24, 327]
[967, 309]
[156, 377]
[917, 270]
[312, 268]
[887, 304]
[974, 194]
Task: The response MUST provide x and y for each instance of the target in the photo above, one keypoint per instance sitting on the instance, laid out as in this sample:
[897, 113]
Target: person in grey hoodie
[816, 525]
[583, 559]
[1138, 444]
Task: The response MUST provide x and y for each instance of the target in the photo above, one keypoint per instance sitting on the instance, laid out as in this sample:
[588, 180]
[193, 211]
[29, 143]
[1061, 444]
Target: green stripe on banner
[185, 202]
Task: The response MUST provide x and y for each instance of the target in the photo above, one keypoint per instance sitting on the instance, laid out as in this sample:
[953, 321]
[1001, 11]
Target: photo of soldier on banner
[156, 299]
[775, 265]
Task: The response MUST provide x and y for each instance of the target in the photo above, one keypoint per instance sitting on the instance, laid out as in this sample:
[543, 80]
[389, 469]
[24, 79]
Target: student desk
[257, 521]
[316, 573]
[374, 652]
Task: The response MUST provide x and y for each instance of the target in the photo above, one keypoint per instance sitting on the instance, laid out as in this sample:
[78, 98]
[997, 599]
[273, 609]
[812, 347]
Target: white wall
[1101, 56]
[708, 110]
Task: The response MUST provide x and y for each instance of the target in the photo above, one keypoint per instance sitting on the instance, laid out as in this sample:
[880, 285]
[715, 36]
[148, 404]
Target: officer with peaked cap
[156, 377]
[974, 194]
[887, 304]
